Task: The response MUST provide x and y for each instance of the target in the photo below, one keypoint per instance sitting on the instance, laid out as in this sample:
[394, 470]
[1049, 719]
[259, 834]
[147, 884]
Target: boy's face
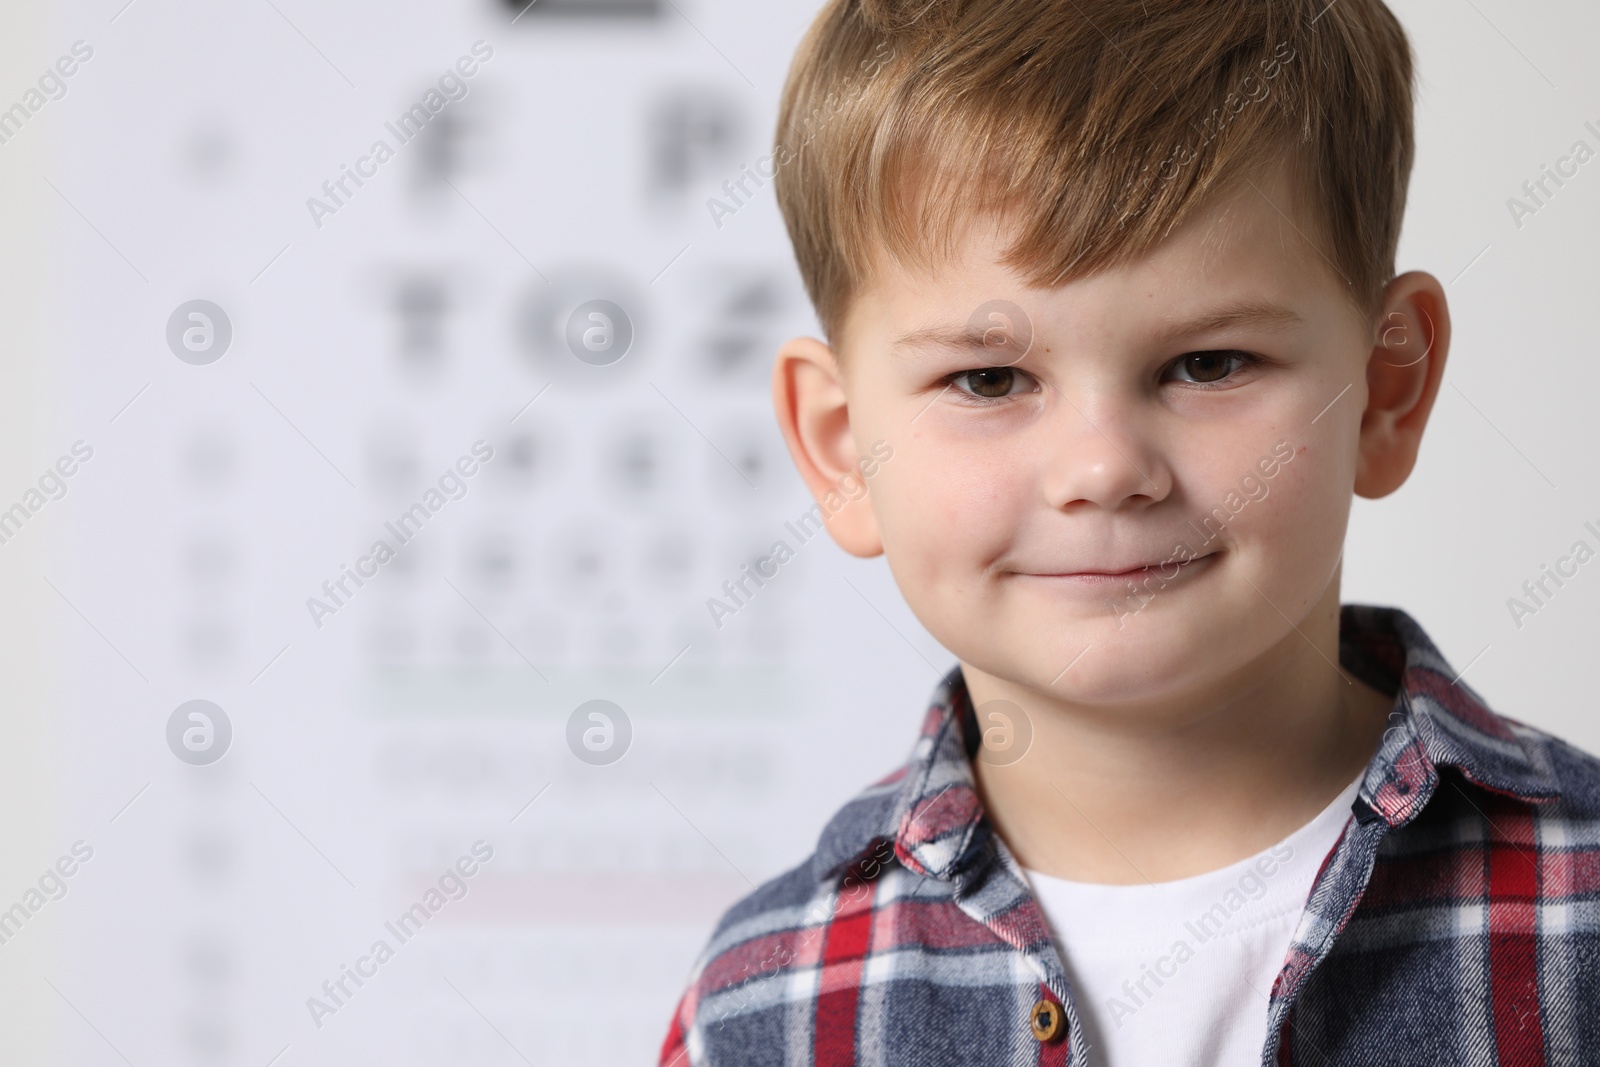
[1223, 456]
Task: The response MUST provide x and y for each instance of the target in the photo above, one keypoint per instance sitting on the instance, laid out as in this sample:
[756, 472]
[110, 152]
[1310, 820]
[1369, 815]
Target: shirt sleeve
[675, 1049]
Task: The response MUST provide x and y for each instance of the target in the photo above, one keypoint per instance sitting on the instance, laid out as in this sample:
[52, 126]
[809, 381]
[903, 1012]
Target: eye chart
[417, 409]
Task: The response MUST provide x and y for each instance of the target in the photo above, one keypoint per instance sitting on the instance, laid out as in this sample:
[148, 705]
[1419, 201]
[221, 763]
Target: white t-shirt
[1174, 974]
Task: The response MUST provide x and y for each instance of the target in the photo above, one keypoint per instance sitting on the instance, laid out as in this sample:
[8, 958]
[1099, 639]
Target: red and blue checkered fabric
[1456, 921]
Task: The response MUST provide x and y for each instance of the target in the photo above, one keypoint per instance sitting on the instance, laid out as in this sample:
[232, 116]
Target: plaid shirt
[1456, 921]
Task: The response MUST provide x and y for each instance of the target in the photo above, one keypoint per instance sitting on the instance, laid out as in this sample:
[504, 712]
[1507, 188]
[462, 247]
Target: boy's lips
[1160, 569]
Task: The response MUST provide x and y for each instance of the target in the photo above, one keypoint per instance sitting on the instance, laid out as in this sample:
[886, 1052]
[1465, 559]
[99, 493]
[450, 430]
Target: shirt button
[1047, 1020]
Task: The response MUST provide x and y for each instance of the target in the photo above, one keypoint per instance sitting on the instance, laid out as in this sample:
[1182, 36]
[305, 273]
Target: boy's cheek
[908, 510]
[942, 508]
[1296, 530]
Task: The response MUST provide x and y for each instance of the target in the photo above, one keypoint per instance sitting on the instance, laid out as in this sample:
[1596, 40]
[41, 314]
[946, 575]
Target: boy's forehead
[1248, 244]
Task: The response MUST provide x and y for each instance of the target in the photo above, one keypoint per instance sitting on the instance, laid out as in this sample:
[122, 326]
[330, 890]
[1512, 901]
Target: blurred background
[228, 769]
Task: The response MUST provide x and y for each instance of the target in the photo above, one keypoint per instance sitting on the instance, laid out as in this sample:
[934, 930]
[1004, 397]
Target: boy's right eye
[991, 383]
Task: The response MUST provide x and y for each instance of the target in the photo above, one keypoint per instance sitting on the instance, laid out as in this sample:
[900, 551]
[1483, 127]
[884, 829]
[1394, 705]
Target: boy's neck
[1167, 792]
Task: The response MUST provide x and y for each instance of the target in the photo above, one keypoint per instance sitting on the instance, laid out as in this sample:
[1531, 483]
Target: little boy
[1113, 282]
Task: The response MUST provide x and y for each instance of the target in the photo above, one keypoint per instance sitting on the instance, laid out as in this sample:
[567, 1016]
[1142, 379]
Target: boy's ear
[1404, 370]
[808, 396]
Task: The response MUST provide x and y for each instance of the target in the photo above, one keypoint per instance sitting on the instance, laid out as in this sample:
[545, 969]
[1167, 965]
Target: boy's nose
[1102, 458]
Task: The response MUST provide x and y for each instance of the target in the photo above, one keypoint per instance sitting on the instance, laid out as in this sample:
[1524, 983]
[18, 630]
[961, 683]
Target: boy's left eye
[1213, 366]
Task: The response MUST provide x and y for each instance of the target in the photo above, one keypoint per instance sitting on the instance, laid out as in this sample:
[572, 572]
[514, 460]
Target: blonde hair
[1093, 126]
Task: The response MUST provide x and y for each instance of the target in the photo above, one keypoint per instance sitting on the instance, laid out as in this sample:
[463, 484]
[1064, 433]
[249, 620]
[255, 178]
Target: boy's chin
[1096, 661]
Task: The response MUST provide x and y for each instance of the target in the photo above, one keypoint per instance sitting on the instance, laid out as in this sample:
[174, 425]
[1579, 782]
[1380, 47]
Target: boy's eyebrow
[962, 338]
[941, 337]
[1225, 316]
[1235, 314]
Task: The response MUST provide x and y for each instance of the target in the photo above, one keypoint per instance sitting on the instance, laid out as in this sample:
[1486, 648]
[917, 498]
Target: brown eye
[992, 382]
[1214, 367]
[1207, 366]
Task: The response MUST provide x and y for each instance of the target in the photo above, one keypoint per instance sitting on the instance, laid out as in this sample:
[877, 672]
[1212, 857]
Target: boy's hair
[1094, 126]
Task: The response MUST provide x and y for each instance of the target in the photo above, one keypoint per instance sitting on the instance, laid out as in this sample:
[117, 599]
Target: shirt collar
[929, 808]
